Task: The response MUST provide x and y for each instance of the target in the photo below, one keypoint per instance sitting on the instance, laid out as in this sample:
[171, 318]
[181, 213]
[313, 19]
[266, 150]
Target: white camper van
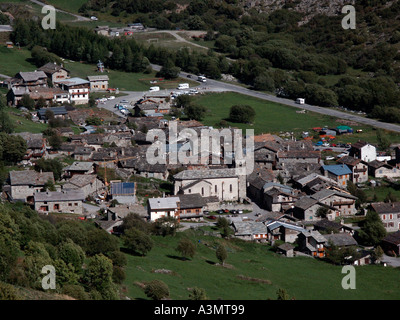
[300, 100]
[201, 78]
[182, 86]
[153, 89]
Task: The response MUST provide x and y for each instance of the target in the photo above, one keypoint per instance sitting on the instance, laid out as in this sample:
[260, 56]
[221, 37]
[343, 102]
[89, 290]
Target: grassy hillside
[275, 118]
[252, 272]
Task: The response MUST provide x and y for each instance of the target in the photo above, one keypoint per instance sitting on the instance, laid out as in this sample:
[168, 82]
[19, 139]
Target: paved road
[77, 17]
[222, 86]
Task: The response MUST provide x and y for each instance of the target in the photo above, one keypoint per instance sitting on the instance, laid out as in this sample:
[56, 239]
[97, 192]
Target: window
[190, 190]
[230, 188]
[216, 189]
[384, 217]
[390, 216]
[202, 191]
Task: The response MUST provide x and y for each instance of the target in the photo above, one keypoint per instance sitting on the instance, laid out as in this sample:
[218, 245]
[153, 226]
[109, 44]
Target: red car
[212, 217]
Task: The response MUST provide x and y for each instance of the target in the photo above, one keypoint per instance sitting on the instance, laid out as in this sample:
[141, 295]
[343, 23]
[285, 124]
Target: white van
[300, 100]
[153, 89]
[183, 86]
[201, 78]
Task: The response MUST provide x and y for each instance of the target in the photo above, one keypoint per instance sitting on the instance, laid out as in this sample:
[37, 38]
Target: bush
[156, 290]
[242, 114]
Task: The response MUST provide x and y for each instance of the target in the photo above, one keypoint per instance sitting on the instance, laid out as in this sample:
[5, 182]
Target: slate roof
[190, 201]
[30, 177]
[337, 169]
[163, 203]
[359, 144]
[393, 238]
[340, 239]
[320, 195]
[67, 195]
[51, 68]
[32, 75]
[80, 166]
[277, 224]
[73, 82]
[246, 228]
[384, 208]
[350, 161]
[98, 78]
[327, 224]
[286, 247]
[305, 203]
[57, 111]
[81, 180]
[316, 235]
[205, 174]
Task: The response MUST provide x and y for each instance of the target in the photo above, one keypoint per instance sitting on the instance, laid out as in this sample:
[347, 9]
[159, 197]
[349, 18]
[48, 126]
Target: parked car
[206, 212]
[330, 158]
[212, 217]
[240, 211]
[220, 211]
[233, 211]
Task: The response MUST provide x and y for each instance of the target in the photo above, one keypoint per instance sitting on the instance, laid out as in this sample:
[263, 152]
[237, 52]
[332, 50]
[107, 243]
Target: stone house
[36, 145]
[140, 166]
[250, 230]
[98, 83]
[328, 226]
[341, 173]
[226, 184]
[29, 79]
[25, 184]
[306, 209]
[55, 72]
[343, 202]
[391, 243]
[58, 112]
[69, 201]
[50, 95]
[312, 243]
[313, 183]
[256, 181]
[89, 184]
[82, 153]
[389, 214]
[279, 230]
[340, 240]
[305, 156]
[78, 168]
[382, 169]
[359, 169]
[278, 197]
[191, 206]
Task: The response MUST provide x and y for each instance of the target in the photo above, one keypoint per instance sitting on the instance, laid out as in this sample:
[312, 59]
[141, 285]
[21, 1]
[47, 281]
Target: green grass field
[276, 118]
[70, 6]
[302, 277]
[21, 124]
[14, 60]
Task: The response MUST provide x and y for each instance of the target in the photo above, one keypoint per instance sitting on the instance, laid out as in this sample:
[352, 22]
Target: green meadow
[252, 272]
[275, 118]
